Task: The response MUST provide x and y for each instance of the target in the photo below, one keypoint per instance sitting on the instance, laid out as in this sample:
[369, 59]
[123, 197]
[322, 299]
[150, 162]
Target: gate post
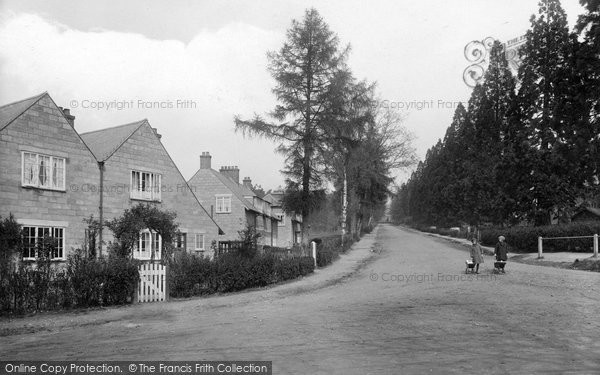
[166, 282]
[314, 252]
[540, 248]
[596, 245]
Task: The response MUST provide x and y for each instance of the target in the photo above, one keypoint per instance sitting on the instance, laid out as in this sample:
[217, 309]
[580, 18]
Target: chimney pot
[70, 118]
[232, 172]
[156, 132]
[205, 160]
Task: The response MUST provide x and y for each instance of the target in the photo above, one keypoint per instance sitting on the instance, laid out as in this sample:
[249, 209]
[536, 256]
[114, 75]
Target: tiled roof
[9, 112]
[238, 190]
[274, 197]
[105, 142]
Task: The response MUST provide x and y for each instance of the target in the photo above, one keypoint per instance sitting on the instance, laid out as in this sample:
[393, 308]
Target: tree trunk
[344, 206]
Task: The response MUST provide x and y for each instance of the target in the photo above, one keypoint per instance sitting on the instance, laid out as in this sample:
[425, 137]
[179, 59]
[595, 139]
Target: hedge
[81, 282]
[525, 239]
[330, 248]
[442, 231]
[192, 275]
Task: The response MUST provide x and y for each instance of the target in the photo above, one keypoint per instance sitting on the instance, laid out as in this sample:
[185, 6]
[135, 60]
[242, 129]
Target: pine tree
[499, 91]
[545, 77]
[306, 70]
[588, 65]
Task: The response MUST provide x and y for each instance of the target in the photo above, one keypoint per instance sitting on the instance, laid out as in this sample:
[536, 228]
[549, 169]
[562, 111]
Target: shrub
[104, 281]
[329, 248]
[324, 258]
[121, 278]
[587, 265]
[248, 241]
[81, 282]
[525, 239]
[191, 275]
[307, 265]
[232, 272]
[86, 276]
[287, 269]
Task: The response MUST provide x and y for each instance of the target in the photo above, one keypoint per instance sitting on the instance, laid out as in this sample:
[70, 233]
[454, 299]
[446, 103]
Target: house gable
[140, 151]
[10, 112]
[105, 142]
[37, 129]
[207, 184]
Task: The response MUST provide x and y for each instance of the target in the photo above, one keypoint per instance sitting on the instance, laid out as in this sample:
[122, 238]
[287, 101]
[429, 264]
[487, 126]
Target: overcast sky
[205, 61]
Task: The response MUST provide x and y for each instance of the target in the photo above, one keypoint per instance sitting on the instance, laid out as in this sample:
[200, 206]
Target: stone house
[289, 229]
[44, 169]
[136, 168]
[52, 178]
[233, 206]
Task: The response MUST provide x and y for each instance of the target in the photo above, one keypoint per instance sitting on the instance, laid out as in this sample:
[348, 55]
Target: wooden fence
[153, 282]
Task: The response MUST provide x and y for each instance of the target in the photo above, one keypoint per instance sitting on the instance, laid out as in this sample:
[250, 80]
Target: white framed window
[145, 186]
[42, 171]
[199, 243]
[223, 203]
[32, 239]
[149, 246]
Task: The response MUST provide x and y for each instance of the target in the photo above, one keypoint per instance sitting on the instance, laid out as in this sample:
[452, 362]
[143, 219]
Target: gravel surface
[406, 307]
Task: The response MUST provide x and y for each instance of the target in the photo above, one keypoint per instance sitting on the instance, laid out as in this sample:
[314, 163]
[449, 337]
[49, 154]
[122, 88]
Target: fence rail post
[540, 248]
[314, 252]
[596, 245]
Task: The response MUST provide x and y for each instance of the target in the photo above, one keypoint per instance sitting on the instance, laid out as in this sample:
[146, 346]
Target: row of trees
[527, 148]
[329, 127]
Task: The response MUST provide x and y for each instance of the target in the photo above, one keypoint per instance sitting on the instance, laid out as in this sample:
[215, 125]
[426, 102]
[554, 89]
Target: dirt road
[408, 309]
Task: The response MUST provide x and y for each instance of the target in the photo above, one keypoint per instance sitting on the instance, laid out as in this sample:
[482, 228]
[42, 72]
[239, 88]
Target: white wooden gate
[153, 282]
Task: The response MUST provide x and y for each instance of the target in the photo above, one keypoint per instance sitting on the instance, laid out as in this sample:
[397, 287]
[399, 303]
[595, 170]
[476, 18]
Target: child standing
[476, 254]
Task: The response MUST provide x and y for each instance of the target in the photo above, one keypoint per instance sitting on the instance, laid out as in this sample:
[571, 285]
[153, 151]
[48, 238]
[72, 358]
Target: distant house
[586, 214]
[52, 178]
[136, 168]
[289, 225]
[232, 205]
[45, 169]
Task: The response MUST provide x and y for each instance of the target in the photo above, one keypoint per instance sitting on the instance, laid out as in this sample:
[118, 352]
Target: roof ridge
[106, 151]
[22, 100]
[19, 113]
[234, 185]
[116, 127]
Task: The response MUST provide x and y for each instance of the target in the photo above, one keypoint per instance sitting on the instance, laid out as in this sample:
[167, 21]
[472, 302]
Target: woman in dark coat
[476, 254]
[501, 250]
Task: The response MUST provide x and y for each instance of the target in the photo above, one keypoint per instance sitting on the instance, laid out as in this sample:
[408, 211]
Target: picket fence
[153, 282]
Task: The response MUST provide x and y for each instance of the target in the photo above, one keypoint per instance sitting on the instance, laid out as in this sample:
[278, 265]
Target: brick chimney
[70, 118]
[205, 160]
[233, 172]
[156, 132]
[247, 182]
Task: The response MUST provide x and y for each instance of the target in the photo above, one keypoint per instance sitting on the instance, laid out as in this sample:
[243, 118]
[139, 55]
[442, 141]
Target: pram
[470, 266]
[499, 266]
